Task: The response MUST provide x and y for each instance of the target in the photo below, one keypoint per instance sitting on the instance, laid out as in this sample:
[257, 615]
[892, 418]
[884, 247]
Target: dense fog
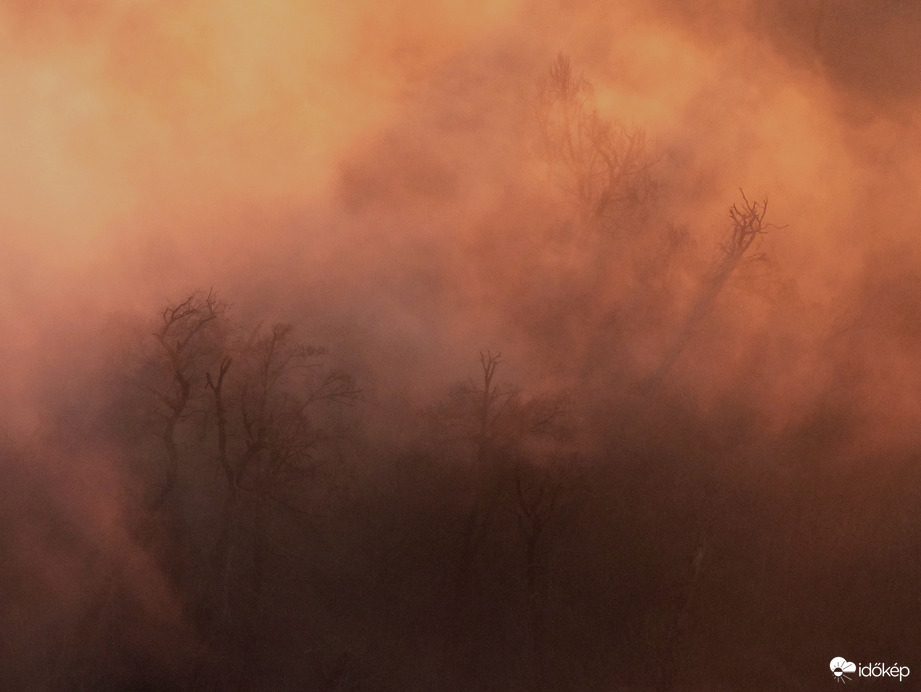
[503, 345]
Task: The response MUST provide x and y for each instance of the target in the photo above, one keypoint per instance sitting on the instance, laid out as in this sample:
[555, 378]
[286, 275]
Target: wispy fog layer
[688, 228]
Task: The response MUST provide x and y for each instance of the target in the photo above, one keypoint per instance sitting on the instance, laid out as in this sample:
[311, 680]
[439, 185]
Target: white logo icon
[840, 666]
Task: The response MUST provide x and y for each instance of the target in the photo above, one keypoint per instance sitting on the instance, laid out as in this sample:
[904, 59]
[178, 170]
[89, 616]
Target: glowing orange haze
[369, 171]
[149, 148]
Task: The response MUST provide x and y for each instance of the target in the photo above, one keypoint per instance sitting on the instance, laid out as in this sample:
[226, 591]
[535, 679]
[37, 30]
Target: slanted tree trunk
[747, 227]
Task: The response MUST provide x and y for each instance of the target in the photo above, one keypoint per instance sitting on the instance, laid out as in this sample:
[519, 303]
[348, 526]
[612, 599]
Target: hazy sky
[372, 172]
[351, 159]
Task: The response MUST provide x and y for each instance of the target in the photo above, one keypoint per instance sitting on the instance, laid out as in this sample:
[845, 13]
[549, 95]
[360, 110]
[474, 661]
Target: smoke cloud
[410, 187]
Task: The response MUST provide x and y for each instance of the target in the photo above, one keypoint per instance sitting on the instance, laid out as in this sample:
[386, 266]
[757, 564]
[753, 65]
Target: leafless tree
[476, 407]
[282, 383]
[522, 460]
[602, 164]
[745, 233]
[267, 438]
[262, 411]
[186, 338]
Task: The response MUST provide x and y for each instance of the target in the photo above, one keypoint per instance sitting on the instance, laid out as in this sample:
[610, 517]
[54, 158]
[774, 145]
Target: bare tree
[601, 163]
[267, 439]
[187, 338]
[744, 234]
[743, 237]
[522, 460]
[476, 407]
[263, 419]
[282, 383]
[216, 385]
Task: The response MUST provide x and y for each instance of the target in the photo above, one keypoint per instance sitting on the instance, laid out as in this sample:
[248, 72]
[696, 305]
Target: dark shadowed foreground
[365, 353]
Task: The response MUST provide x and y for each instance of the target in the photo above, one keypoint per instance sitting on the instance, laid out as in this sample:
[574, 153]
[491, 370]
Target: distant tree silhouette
[523, 467]
[602, 164]
[188, 337]
[746, 230]
[260, 402]
[266, 435]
